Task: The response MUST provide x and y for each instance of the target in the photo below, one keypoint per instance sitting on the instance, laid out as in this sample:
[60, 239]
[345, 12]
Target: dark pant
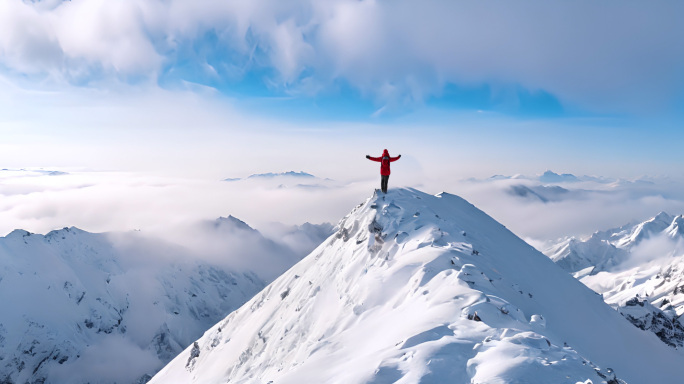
[383, 182]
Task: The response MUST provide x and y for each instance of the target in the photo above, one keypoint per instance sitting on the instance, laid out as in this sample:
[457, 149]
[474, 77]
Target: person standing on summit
[385, 161]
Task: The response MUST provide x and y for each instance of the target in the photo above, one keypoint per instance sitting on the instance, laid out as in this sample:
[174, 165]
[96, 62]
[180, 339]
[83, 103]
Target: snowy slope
[637, 268]
[80, 307]
[420, 288]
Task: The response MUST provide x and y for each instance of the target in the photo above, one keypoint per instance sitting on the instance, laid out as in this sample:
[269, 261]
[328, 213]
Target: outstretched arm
[373, 158]
[395, 158]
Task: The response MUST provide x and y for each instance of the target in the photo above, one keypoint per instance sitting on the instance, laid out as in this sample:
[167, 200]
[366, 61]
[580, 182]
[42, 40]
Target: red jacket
[385, 160]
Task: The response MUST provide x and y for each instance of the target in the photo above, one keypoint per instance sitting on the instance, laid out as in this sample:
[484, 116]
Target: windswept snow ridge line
[415, 288]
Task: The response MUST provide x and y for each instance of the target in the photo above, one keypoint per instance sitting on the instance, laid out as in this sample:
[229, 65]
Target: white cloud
[76, 40]
[107, 201]
[103, 359]
[111, 34]
[586, 208]
[618, 57]
[26, 42]
[170, 207]
[658, 247]
[172, 148]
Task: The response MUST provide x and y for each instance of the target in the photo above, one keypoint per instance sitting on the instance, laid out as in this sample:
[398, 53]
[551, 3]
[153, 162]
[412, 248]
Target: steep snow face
[419, 288]
[79, 307]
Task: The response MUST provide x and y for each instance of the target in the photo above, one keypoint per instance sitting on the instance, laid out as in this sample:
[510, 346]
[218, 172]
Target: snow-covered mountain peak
[422, 288]
[610, 248]
[232, 223]
[282, 174]
[282, 180]
[552, 177]
[275, 175]
[18, 233]
[644, 230]
[662, 217]
[21, 233]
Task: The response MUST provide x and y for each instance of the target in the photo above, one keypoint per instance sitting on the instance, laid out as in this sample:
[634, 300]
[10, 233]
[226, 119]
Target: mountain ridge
[609, 248]
[419, 287]
[84, 307]
[636, 268]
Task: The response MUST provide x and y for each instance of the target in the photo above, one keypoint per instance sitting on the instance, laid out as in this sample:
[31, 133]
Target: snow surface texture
[415, 288]
[79, 307]
[638, 268]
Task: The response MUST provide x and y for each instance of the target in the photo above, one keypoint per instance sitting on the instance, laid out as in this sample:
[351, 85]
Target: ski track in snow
[415, 288]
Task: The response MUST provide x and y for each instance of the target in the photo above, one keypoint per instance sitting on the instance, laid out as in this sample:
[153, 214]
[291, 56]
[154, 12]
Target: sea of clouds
[171, 207]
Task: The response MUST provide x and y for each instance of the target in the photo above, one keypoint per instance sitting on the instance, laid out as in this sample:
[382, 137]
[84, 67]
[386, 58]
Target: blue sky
[171, 86]
[149, 104]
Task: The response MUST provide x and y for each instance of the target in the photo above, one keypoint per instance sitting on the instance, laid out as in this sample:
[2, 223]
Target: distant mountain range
[288, 179]
[550, 177]
[271, 175]
[551, 187]
[29, 172]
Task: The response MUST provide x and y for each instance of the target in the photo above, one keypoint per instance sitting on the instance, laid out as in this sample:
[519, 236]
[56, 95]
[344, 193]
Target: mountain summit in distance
[416, 288]
[272, 175]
